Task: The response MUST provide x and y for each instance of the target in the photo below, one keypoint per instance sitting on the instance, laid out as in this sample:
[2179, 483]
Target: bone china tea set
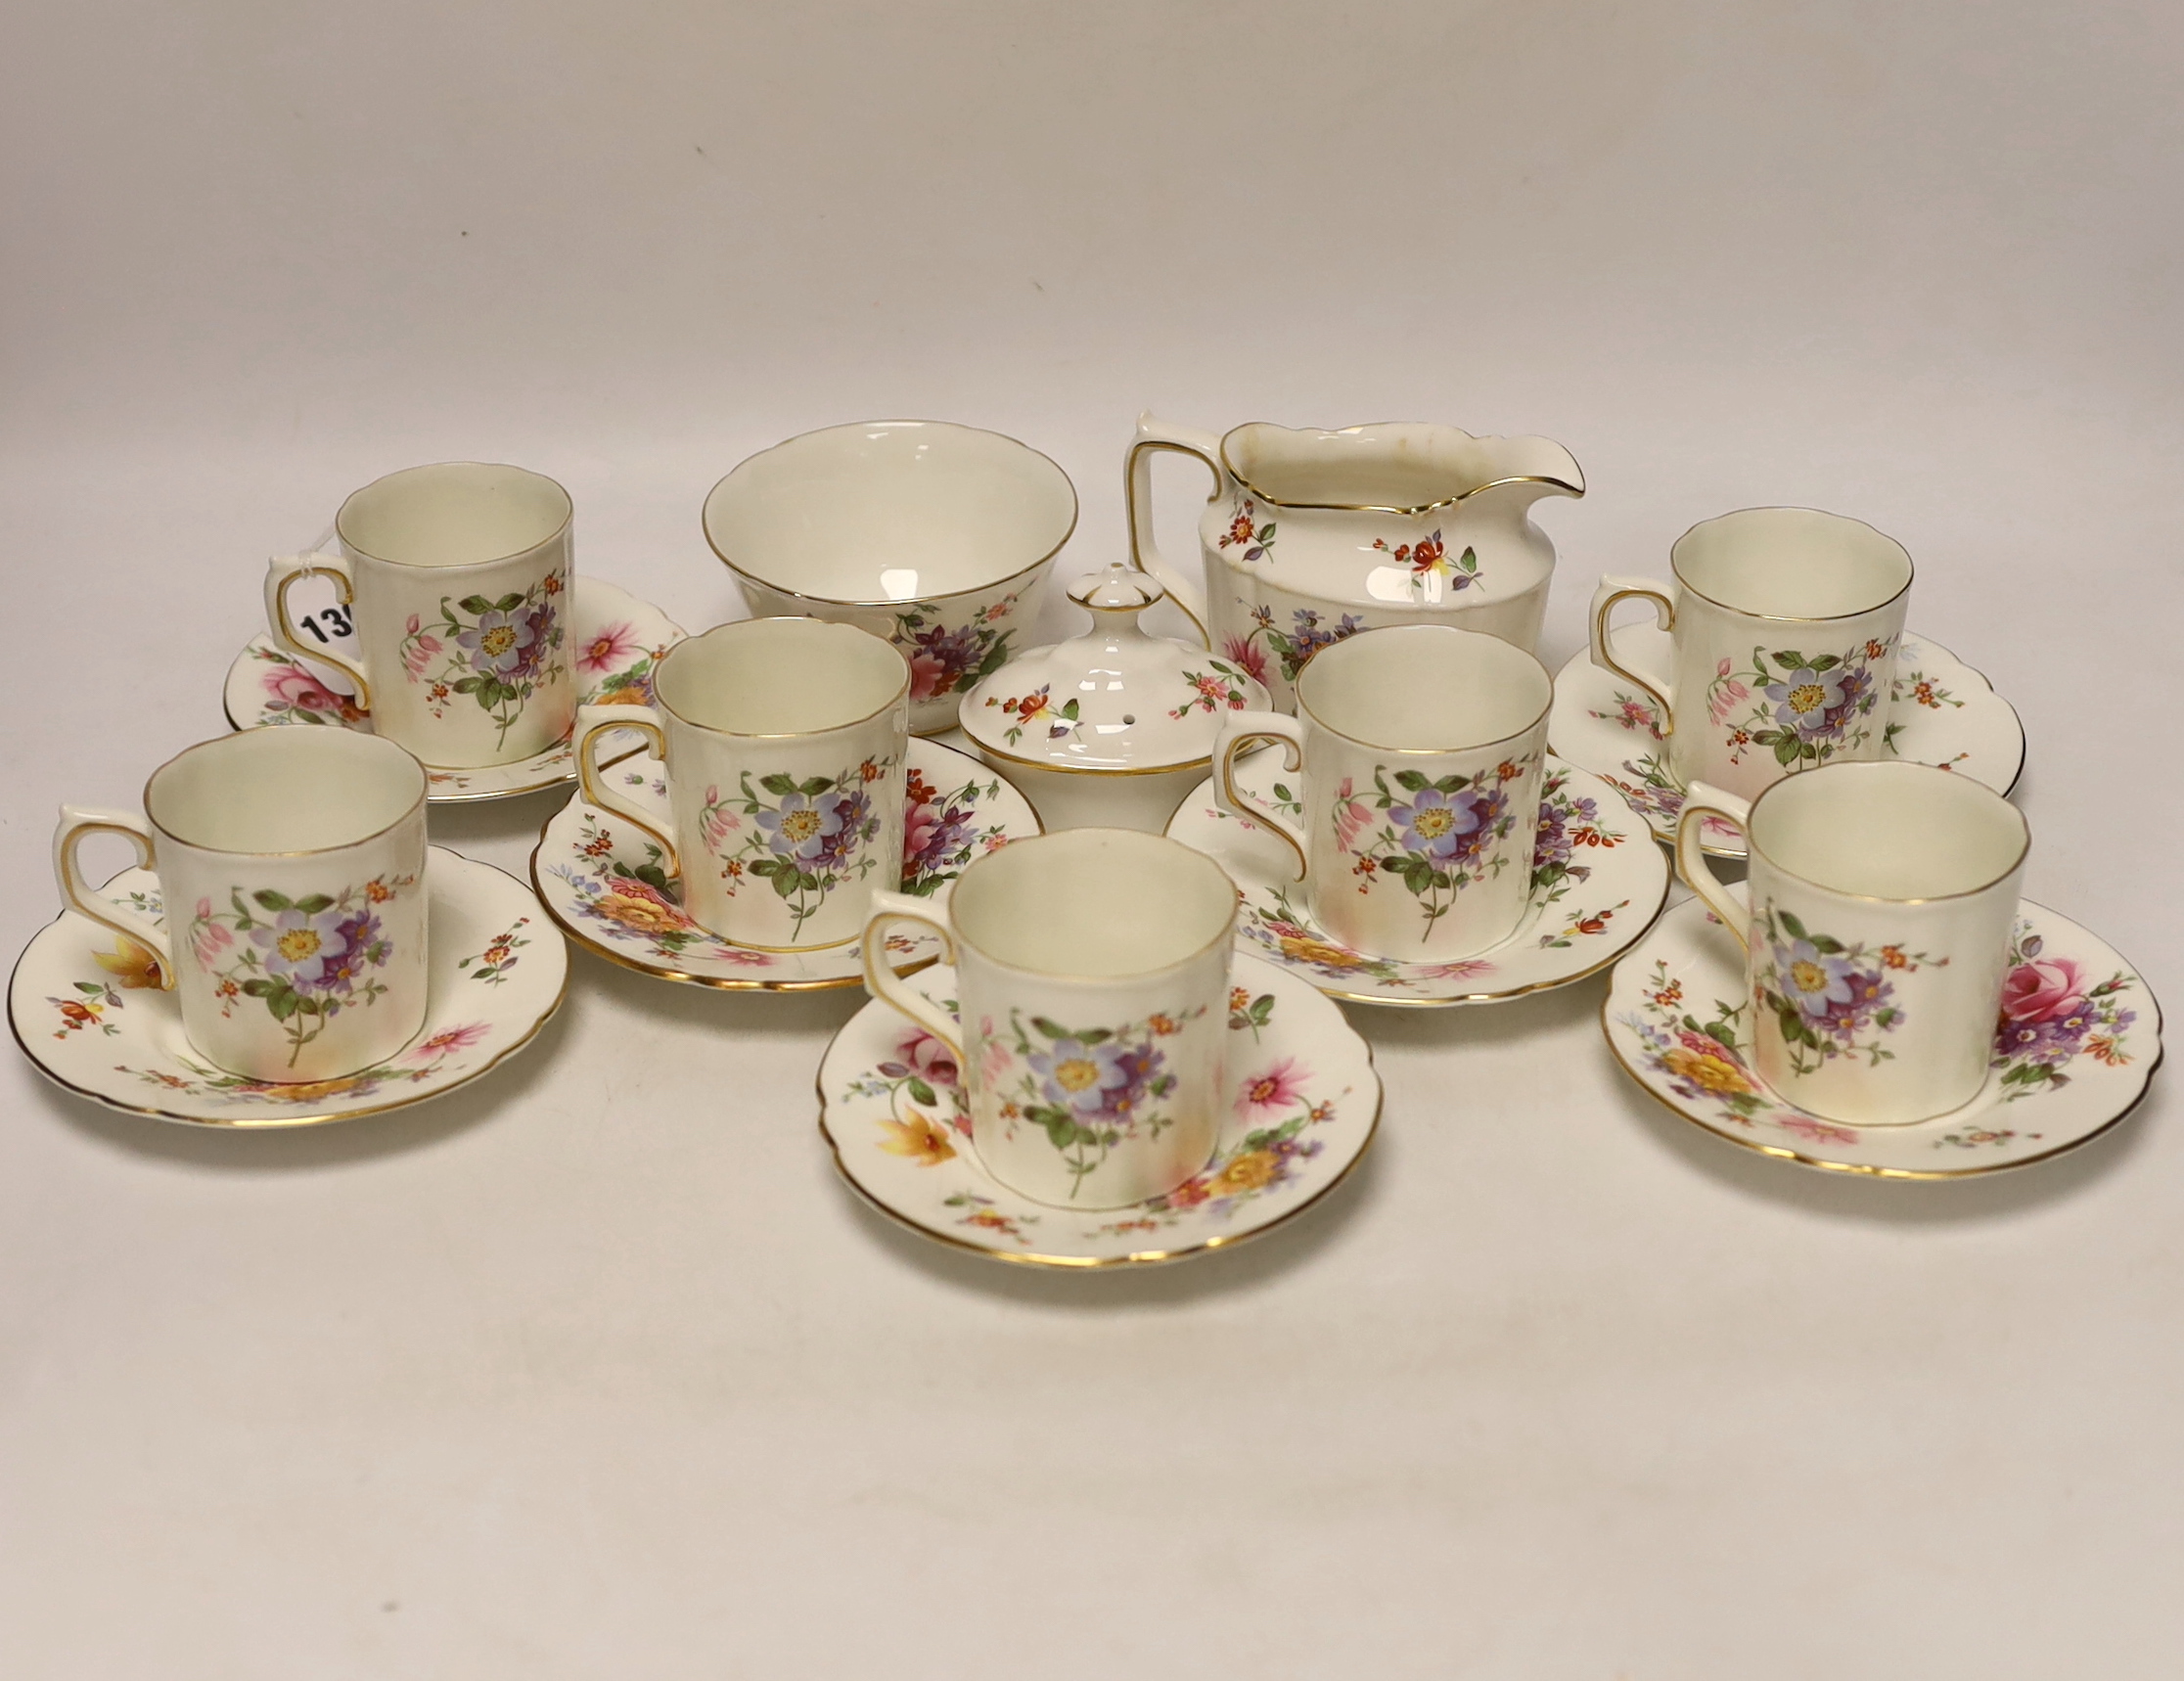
[1103, 893]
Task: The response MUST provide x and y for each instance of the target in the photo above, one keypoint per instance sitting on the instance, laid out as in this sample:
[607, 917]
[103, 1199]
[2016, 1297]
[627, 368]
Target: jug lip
[1229, 467]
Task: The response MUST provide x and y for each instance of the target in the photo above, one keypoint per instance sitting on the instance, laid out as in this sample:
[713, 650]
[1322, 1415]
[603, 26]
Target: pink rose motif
[2042, 990]
[927, 1058]
[929, 677]
[293, 686]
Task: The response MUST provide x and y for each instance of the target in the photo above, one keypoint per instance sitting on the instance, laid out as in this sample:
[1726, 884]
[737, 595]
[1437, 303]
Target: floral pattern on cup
[302, 960]
[1306, 635]
[1436, 836]
[808, 838]
[1802, 709]
[2051, 1013]
[1088, 1088]
[1829, 999]
[1428, 559]
[495, 652]
[1255, 540]
[948, 660]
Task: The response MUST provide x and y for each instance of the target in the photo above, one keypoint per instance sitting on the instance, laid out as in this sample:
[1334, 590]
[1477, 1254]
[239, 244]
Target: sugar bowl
[1112, 727]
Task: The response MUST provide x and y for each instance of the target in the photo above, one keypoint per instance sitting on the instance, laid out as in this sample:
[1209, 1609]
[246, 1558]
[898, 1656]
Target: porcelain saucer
[617, 639]
[1941, 712]
[1674, 1020]
[1595, 891]
[601, 878]
[86, 1007]
[1307, 1104]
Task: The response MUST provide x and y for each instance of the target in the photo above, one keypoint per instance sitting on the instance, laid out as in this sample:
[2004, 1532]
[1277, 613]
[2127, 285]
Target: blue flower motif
[802, 827]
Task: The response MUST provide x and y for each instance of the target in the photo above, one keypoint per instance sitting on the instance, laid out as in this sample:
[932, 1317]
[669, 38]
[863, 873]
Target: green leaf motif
[268, 900]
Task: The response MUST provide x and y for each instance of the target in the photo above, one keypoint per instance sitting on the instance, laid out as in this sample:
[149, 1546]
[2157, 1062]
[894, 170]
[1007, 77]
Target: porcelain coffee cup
[932, 536]
[290, 865]
[1092, 970]
[783, 741]
[1422, 748]
[456, 580]
[1876, 919]
[1784, 625]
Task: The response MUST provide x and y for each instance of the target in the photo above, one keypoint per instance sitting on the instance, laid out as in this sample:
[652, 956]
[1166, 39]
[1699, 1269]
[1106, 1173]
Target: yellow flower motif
[632, 695]
[920, 1138]
[1251, 1171]
[646, 916]
[311, 1091]
[1308, 950]
[1706, 1072]
[129, 963]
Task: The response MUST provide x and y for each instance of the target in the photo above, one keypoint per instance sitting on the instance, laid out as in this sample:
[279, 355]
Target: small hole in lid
[1130, 717]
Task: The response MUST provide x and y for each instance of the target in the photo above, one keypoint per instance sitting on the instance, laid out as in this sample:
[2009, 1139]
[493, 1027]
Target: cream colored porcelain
[1302, 1109]
[294, 861]
[614, 640]
[1939, 710]
[455, 579]
[87, 1010]
[932, 536]
[1092, 980]
[1876, 919]
[1113, 728]
[783, 741]
[1421, 748]
[1783, 623]
[2073, 1055]
[1309, 537]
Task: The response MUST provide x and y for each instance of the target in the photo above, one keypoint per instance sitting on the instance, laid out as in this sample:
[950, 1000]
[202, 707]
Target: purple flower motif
[309, 950]
[1556, 815]
[505, 644]
[851, 811]
[1812, 979]
[804, 826]
[1449, 828]
[1805, 698]
[1106, 1081]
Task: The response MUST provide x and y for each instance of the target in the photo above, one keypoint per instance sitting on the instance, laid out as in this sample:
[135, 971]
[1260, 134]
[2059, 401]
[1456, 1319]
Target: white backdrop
[593, 1369]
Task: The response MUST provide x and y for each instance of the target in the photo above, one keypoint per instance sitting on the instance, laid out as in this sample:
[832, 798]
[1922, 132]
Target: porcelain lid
[1115, 698]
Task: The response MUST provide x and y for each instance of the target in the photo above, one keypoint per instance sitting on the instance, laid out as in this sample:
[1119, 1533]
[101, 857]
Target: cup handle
[1613, 589]
[592, 722]
[1242, 730]
[78, 821]
[1731, 901]
[883, 983]
[1153, 438]
[285, 569]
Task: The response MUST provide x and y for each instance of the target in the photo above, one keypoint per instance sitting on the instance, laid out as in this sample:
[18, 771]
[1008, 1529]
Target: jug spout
[1390, 466]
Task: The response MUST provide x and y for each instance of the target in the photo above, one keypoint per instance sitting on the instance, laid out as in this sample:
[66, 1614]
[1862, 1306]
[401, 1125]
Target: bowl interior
[890, 511]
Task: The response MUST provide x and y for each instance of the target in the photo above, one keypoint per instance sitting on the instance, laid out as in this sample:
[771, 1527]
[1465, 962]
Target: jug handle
[1153, 437]
[1612, 590]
